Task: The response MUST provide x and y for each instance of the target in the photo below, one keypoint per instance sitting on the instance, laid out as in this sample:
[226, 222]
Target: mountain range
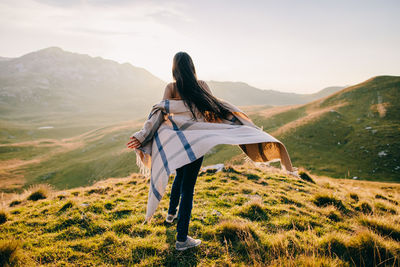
[53, 82]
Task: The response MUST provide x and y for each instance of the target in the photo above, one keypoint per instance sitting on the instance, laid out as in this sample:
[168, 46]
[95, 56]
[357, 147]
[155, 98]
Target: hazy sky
[297, 46]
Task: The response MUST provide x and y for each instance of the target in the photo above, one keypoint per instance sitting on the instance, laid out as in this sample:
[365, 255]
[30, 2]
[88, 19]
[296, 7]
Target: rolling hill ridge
[353, 133]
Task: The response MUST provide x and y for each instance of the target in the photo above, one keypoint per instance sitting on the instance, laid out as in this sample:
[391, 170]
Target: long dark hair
[192, 93]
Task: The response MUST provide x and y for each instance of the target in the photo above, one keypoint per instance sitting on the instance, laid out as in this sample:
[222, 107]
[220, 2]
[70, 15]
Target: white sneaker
[189, 243]
[170, 218]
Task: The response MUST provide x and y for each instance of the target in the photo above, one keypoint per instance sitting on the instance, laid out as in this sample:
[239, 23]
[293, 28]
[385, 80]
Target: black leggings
[183, 188]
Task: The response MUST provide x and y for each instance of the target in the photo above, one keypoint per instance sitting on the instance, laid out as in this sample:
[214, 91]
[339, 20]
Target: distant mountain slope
[352, 133]
[52, 80]
[240, 93]
[53, 83]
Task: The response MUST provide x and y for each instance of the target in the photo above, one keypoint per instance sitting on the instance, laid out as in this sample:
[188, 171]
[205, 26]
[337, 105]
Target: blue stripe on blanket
[184, 141]
[155, 191]
[167, 105]
[165, 162]
[162, 153]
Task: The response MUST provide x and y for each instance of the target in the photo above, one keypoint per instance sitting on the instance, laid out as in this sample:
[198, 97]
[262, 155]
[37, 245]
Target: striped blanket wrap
[171, 138]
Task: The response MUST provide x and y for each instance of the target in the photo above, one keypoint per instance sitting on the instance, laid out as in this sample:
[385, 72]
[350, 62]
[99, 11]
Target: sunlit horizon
[288, 46]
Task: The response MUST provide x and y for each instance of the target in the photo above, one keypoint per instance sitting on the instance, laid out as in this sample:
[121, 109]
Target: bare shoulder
[170, 85]
[168, 91]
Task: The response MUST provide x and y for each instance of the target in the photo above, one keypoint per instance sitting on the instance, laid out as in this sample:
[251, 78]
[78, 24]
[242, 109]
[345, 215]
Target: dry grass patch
[323, 200]
[11, 253]
[3, 216]
[364, 207]
[362, 249]
[384, 226]
[254, 210]
[304, 176]
[39, 191]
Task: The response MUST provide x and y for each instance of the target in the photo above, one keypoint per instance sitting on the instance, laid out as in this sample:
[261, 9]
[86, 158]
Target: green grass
[274, 122]
[340, 143]
[244, 216]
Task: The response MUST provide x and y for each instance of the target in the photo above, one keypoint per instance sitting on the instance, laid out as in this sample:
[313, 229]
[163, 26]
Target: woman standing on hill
[196, 95]
[181, 129]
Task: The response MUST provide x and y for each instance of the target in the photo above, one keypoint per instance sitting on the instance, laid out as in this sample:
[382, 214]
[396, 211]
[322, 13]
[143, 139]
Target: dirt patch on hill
[269, 112]
[380, 108]
[312, 114]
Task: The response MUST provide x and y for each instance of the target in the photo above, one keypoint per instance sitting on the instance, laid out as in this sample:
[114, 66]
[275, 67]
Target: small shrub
[66, 206]
[364, 207]
[109, 205]
[334, 216]
[71, 233]
[286, 200]
[234, 231]
[118, 214]
[253, 211]
[246, 190]
[40, 191]
[61, 197]
[95, 208]
[286, 243]
[323, 200]
[10, 253]
[304, 176]
[3, 216]
[362, 249]
[251, 176]
[367, 250]
[382, 226]
[15, 203]
[354, 196]
[379, 196]
[230, 169]
[382, 207]
[123, 227]
[100, 190]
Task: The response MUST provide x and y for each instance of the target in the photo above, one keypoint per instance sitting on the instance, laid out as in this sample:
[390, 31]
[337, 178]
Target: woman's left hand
[134, 143]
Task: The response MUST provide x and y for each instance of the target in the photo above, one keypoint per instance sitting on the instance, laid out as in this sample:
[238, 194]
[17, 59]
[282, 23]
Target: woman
[199, 99]
[179, 130]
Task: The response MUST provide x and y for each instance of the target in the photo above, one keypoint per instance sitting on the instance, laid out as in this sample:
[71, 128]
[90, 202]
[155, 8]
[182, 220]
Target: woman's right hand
[134, 143]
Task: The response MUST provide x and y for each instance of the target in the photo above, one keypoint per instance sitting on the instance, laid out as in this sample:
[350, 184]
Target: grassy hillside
[352, 133]
[244, 216]
[65, 162]
[355, 134]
